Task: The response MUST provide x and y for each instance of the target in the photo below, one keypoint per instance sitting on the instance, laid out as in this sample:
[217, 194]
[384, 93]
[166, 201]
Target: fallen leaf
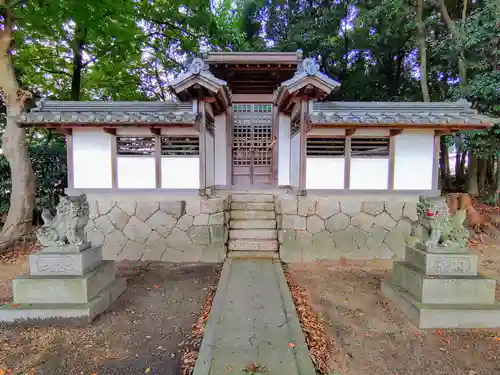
[15, 305]
[2, 372]
[292, 344]
[156, 286]
[438, 332]
[497, 338]
[229, 368]
[147, 370]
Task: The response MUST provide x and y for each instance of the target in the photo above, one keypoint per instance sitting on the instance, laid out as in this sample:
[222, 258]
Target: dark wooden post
[304, 109]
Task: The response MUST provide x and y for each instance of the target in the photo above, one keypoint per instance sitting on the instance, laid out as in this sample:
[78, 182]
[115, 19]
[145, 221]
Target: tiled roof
[457, 113]
[101, 112]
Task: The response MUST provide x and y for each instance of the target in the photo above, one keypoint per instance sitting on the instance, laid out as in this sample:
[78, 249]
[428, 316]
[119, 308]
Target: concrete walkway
[253, 320]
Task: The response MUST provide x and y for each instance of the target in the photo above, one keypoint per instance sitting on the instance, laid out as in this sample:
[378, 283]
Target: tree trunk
[472, 187]
[445, 166]
[423, 51]
[462, 66]
[76, 79]
[14, 147]
[463, 158]
[497, 193]
[482, 165]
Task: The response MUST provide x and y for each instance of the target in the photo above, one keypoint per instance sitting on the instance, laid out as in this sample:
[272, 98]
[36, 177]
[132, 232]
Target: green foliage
[48, 155]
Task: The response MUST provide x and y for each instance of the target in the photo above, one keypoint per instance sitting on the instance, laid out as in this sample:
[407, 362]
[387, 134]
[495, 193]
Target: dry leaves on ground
[192, 346]
[14, 254]
[321, 348]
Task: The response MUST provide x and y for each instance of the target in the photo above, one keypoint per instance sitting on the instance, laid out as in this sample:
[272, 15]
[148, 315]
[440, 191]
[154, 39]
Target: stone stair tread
[252, 198]
[252, 245]
[252, 206]
[253, 234]
[252, 215]
[253, 224]
[244, 254]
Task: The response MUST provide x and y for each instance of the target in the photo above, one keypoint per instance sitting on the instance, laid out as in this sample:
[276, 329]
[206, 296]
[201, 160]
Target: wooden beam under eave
[64, 131]
[155, 131]
[111, 131]
[350, 132]
[395, 132]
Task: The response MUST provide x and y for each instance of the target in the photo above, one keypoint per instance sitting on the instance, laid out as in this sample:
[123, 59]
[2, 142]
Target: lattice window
[295, 125]
[180, 146]
[326, 147]
[210, 125]
[252, 134]
[370, 147]
[135, 146]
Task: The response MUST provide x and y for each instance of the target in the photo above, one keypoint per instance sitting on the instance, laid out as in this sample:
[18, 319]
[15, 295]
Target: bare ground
[375, 338]
[147, 328]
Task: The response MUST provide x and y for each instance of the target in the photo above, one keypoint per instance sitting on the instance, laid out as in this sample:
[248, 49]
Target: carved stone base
[71, 264]
[443, 290]
[444, 264]
[68, 248]
[442, 315]
[63, 289]
[63, 313]
[441, 249]
[71, 287]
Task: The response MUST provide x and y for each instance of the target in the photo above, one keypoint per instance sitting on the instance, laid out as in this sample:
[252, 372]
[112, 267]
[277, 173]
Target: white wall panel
[414, 157]
[284, 150]
[369, 174]
[180, 173]
[325, 173]
[91, 159]
[136, 172]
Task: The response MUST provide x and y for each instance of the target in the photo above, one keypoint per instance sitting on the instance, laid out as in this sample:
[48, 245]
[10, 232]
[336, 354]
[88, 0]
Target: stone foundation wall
[192, 229]
[315, 228]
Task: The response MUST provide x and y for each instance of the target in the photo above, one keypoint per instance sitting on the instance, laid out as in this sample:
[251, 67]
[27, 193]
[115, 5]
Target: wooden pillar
[158, 159]
[347, 155]
[114, 157]
[304, 109]
[203, 150]
[69, 160]
[435, 161]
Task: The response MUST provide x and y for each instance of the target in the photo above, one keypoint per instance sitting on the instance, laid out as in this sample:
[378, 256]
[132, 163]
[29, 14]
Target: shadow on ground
[374, 337]
[146, 328]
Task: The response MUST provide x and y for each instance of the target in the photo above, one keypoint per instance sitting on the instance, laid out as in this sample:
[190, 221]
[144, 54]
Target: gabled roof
[307, 80]
[293, 58]
[102, 113]
[188, 85]
[457, 114]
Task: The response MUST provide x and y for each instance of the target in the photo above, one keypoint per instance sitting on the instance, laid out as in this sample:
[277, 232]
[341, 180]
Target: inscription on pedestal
[454, 266]
[435, 264]
[55, 264]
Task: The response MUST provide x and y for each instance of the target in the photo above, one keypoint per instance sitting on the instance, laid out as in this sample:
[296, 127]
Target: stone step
[252, 245]
[252, 198]
[254, 234]
[252, 215]
[252, 224]
[253, 255]
[252, 206]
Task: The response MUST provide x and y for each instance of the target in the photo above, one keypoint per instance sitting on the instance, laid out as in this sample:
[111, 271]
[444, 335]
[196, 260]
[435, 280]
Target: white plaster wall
[221, 150]
[91, 159]
[284, 150]
[325, 173]
[414, 157]
[295, 161]
[369, 174]
[209, 160]
[136, 172]
[180, 173]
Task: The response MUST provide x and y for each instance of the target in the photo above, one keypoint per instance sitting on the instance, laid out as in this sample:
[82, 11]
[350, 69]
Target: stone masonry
[191, 229]
[315, 228]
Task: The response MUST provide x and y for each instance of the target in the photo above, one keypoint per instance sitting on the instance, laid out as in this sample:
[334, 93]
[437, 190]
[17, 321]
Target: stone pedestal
[443, 290]
[71, 287]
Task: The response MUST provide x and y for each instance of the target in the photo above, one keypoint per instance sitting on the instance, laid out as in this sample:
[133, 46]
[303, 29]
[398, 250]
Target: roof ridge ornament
[309, 66]
[196, 66]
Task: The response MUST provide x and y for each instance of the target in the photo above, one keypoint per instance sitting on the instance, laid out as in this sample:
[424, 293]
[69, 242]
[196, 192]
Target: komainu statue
[439, 230]
[66, 230]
